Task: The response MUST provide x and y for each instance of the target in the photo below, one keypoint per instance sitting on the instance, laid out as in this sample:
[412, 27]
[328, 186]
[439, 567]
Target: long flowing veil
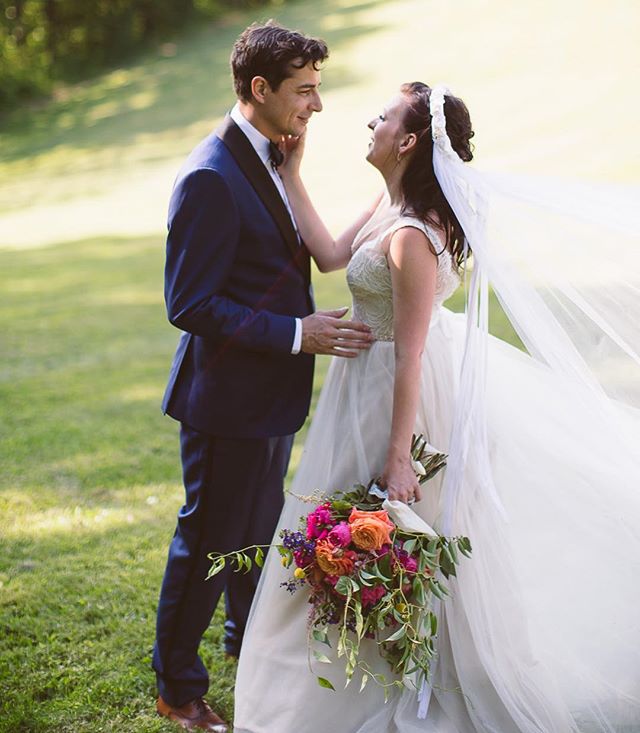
[563, 259]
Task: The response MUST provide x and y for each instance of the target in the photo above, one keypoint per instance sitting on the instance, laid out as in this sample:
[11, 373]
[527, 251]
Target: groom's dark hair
[271, 51]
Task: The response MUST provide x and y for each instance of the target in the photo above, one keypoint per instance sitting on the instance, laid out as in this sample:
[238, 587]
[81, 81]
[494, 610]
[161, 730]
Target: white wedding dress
[534, 638]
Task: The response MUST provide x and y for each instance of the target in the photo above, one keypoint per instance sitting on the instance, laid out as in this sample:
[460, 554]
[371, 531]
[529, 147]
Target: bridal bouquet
[372, 569]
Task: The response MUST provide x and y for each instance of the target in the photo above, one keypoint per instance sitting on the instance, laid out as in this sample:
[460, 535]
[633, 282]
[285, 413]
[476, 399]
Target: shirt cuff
[297, 338]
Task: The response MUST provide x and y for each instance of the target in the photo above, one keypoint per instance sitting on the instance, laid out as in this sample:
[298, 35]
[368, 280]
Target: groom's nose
[316, 102]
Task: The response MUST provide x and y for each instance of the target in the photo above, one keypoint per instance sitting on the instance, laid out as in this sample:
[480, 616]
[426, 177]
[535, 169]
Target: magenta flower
[318, 521]
[370, 596]
[303, 557]
[408, 562]
[340, 535]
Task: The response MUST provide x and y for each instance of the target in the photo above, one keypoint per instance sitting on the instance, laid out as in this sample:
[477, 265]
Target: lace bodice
[369, 277]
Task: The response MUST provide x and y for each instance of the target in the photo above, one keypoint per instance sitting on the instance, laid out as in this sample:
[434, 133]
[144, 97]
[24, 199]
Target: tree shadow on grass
[164, 93]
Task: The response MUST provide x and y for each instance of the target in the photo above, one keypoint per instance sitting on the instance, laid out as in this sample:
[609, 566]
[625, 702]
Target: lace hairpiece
[439, 121]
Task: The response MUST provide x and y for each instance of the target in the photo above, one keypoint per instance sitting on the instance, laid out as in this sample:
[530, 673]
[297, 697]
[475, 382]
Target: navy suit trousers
[234, 496]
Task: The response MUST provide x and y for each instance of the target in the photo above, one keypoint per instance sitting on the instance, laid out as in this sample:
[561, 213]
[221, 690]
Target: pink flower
[319, 521]
[409, 563]
[303, 557]
[406, 561]
[340, 535]
[370, 596]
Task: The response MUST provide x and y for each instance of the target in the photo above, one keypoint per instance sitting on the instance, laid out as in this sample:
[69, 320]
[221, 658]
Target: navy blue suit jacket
[235, 279]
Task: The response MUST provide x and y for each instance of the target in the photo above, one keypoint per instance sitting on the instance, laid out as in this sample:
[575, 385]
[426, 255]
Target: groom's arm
[204, 227]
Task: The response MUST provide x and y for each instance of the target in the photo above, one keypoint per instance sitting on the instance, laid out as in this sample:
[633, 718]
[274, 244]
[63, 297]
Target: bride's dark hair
[421, 191]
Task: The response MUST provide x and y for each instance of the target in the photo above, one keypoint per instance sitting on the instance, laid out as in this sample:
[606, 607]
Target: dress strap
[430, 232]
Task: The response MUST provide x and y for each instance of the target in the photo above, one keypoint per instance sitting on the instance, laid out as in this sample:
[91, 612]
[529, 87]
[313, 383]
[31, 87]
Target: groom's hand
[324, 332]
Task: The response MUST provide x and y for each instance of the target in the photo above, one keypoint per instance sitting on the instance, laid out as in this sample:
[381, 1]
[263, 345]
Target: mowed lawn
[89, 468]
[90, 484]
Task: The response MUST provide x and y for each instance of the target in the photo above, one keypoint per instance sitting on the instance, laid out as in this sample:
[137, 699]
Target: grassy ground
[90, 477]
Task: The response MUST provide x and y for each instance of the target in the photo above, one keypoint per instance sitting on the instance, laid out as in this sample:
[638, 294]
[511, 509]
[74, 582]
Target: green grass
[90, 485]
[90, 474]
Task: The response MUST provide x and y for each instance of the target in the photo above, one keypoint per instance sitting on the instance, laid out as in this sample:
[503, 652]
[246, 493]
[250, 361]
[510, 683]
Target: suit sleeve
[204, 227]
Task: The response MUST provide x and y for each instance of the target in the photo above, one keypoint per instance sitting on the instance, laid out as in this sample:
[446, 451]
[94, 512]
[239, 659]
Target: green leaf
[259, 557]
[447, 567]
[321, 657]
[321, 636]
[433, 620]
[398, 634]
[446, 549]
[344, 585]
[363, 683]
[418, 591]
[216, 567]
[464, 546]
[325, 683]
[452, 549]
[341, 506]
[383, 568]
[409, 546]
[357, 610]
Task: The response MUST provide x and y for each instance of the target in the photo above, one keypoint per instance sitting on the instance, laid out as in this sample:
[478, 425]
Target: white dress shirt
[260, 144]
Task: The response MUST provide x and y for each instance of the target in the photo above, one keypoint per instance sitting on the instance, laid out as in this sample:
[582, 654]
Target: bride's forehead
[396, 105]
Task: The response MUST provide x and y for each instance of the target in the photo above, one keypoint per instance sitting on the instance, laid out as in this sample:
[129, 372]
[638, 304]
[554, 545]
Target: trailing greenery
[42, 41]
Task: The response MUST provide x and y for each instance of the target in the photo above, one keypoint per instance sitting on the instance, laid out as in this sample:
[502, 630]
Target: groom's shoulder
[210, 152]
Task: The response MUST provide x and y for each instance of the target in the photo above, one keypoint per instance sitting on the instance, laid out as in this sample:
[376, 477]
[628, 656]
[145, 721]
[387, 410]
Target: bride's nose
[372, 124]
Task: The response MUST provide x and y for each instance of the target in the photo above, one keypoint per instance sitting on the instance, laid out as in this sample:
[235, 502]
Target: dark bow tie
[275, 156]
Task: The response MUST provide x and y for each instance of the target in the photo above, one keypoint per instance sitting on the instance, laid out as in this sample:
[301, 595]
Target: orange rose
[370, 530]
[334, 560]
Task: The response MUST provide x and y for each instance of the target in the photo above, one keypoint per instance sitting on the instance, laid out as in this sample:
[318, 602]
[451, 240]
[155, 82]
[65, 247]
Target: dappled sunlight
[127, 296]
[102, 159]
[141, 503]
[141, 393]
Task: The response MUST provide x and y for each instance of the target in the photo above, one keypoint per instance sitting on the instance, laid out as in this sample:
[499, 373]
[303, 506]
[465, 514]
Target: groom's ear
[260, 88]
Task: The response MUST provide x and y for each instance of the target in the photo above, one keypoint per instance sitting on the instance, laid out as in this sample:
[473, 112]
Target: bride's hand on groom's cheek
[293, 150]
[324, 332]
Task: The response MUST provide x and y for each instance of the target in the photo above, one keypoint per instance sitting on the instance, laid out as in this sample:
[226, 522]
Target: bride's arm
[328, 254]
[413, 268]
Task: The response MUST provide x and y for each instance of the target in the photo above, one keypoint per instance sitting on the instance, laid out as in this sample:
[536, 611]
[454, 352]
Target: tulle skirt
[542, 632]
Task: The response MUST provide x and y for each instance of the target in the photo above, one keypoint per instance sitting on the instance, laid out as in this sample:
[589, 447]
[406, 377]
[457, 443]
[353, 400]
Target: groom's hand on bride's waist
[324, 332]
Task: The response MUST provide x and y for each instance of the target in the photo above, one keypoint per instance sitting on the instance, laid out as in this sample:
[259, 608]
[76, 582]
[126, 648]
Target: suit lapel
[253, 168]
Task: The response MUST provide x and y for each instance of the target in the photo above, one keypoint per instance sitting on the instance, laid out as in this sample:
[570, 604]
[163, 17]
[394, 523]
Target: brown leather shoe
[193, 715]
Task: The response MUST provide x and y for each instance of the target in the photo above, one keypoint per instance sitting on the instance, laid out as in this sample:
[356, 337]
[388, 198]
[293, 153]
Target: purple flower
[340, 535]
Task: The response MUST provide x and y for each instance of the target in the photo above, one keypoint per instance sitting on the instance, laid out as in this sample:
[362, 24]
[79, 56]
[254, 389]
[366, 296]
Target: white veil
[564, 261]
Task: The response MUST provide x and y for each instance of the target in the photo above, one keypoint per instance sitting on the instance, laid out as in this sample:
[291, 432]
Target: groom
[237, 283]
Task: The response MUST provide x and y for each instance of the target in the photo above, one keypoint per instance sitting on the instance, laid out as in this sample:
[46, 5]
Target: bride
[541, 632]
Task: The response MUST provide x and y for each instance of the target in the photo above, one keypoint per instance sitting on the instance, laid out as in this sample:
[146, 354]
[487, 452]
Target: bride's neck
[393, 181]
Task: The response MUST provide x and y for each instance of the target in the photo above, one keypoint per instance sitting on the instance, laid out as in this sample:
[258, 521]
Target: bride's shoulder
[432, 230]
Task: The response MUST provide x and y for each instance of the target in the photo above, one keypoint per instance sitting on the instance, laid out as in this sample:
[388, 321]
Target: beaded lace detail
[369, 278]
